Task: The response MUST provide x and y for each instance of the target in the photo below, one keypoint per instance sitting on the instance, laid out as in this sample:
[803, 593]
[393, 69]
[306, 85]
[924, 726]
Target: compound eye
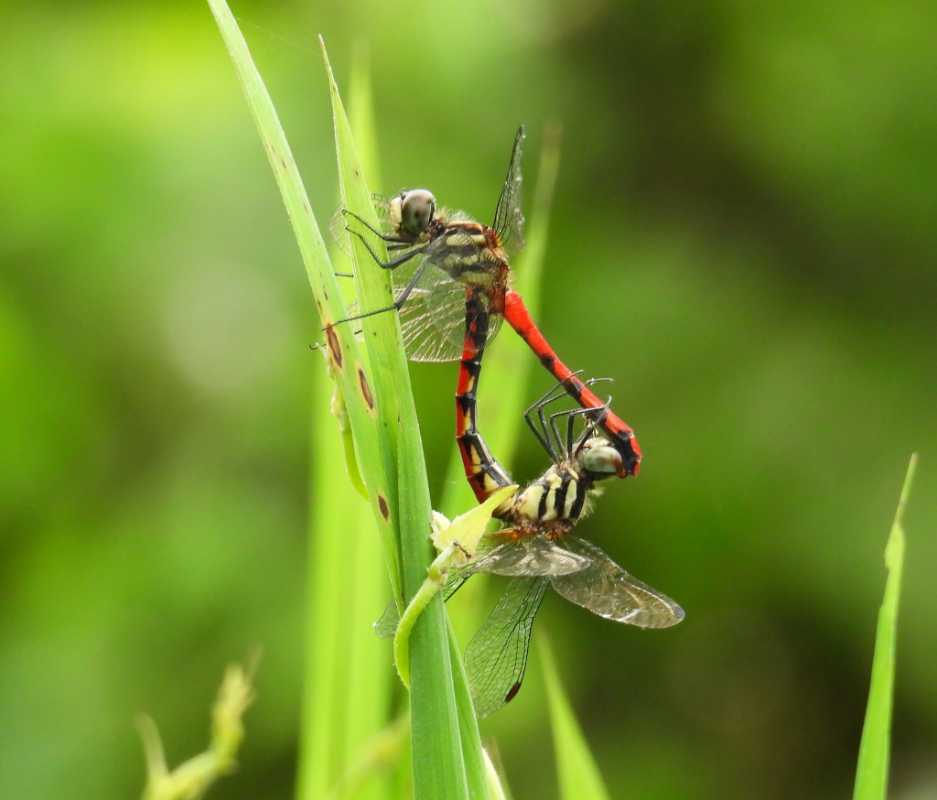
[600, 458]
[417, 211]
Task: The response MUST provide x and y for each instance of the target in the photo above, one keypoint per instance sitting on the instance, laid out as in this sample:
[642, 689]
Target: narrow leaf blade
[438, 766]
[347, 364]
[875, 747]
[578, 774]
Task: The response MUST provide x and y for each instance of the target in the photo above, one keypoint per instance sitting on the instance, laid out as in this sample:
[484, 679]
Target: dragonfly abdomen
[558, 496]
[483, 473]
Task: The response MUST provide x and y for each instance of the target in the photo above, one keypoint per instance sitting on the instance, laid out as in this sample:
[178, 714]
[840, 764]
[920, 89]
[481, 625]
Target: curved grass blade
[578, 775]
[367, 673]
[456, 543]
[350, 370]
[439, 769]
[875, 747]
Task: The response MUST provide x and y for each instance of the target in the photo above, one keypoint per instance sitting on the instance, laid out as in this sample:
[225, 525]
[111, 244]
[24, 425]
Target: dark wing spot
[365, 389]
[383, 507]
[512, 692]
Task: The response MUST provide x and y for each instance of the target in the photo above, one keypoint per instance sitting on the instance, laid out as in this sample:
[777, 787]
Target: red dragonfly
[452, 281]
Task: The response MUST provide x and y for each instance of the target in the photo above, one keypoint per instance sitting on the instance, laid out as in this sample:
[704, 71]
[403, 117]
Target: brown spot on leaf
[365, 389]
[335, 347]
[383, 507]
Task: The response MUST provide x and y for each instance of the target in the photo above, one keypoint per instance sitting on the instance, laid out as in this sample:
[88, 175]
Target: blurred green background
[743, 238]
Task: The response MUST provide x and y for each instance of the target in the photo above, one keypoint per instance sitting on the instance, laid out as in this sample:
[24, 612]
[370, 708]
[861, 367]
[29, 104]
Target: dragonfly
[536, 549]
[452, 279]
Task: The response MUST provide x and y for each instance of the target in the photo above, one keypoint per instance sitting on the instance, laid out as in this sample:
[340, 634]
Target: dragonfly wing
[509, 219]
[386, 624]
[533, 556]
[496, 657]
[432, 319]
[382, 207]
[605, 589]
[338, 233]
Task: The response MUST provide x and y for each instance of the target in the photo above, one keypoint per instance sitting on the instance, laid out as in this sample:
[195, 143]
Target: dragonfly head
[597, 457]
[411, 212]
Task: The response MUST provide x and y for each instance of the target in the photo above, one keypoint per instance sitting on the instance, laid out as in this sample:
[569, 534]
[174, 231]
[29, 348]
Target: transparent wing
[382, 207]
[496, 657]
[530, 555]
[432, 319]
[338, 233]
[509, 219]
[386, 624]
[604, 588]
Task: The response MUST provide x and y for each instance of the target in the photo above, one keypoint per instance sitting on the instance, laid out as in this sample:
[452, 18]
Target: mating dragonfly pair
[451, 275]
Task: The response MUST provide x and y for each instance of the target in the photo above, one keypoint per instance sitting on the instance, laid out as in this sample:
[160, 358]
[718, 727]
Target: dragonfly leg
[411, 285]
[393, 263]
[386, 237]
[398, 303]
[555, 394]
[571, 415]
[542, 435]
[544, 443]
[541, 415]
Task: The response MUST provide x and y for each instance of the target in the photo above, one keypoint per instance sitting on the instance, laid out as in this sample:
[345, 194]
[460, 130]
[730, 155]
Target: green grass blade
[483, 782]
[361, 114]
[438, 766]
[577, 772]
[875, 747]
[348, 683]
[322, 753]
[378, 473]
[369, 677]
[338, 536]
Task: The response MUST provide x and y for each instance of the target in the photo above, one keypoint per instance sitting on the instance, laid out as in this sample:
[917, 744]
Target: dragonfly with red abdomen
[452, 279]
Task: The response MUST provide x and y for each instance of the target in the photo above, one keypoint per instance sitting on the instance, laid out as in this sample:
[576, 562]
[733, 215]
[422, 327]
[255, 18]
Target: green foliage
[578, 774]
[742, 238]
[346, 691]
[457, 542]
[438, 766]
[373, 437]
[192, 779]
[384, 426]
[875, 747]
